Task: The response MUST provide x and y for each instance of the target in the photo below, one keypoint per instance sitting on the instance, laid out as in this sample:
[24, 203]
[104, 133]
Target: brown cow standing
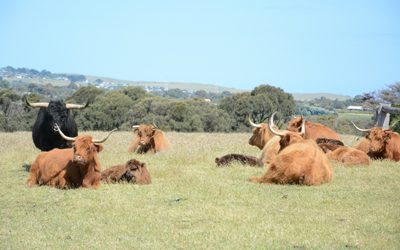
[313, 130]
[148, 139]
[133, 171]
[264, 139]
[382, 143]
[300, 161]
[69, 168]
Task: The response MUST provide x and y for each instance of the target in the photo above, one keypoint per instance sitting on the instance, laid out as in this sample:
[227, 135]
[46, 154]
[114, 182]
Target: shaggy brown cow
[148, 139]
[299, 161]
[243, 159]
[349, 156]
[346, 155]
[69, 168]
[132, 171]
[382, 143]
[264, 139]
[313, 130]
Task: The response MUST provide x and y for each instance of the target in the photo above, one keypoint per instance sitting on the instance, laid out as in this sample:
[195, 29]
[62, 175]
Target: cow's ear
[135, 131]
[99, 147]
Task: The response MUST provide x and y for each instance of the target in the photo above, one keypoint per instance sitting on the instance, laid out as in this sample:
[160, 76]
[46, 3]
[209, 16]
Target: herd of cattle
[301, 154]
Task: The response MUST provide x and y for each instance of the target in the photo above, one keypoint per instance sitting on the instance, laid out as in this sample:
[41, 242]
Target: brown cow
[346, 155]
[264, 139]
[313, 130]
[382, 143]
[69, 168]
[148, 139]
[299, 161]
[132, 171]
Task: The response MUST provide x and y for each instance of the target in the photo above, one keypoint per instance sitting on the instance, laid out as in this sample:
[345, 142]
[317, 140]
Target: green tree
[86, 94]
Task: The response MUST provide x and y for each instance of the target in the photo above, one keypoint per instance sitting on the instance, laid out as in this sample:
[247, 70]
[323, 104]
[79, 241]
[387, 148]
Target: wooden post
[383, 115]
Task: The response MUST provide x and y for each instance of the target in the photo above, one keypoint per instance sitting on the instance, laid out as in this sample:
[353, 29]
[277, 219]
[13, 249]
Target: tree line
[172, 111]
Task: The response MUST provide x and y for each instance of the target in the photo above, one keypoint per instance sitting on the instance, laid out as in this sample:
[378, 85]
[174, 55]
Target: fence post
[383, 117]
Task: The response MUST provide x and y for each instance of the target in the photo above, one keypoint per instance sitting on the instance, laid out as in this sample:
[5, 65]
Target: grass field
[191, 204]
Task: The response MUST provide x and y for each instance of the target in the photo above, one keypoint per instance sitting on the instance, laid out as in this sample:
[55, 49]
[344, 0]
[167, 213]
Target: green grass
[191, 204]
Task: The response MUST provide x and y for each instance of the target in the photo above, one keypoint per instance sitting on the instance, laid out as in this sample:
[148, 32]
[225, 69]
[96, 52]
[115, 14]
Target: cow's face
[260, 136]
[134, 170]
[295, 124]
[378, 138]
[85, 150]
[58, 112]
[145, 132]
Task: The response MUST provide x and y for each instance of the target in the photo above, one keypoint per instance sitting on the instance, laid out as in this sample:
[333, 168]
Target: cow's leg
[33, 176]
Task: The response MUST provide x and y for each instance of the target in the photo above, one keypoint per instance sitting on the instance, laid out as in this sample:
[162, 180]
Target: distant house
[355, 108]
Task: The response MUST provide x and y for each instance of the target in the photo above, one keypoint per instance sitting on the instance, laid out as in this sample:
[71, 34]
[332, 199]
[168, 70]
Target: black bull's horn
[46, 104]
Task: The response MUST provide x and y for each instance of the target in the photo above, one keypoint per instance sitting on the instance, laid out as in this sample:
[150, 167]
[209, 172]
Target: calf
[132, 171]
[346, 155]
[69, 168]
[299, 161]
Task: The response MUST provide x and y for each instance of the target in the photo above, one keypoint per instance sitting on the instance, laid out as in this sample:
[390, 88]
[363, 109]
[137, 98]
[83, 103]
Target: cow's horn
[76, 106]
[361, 129]
[271, 126]
[62, 134]
[254, 124]
[135, 126]
[303, 127]
[104, 139]
[37, 104]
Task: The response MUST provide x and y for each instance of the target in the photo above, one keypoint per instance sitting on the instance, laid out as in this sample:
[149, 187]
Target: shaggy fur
[264, 139]
[148, 139]
[68, 168]
[299, 161]
[132, 171]
[313, 130]
[243, 159]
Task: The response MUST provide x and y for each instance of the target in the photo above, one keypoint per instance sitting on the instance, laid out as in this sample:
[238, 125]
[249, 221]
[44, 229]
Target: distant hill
[311, 96]
[24, 75]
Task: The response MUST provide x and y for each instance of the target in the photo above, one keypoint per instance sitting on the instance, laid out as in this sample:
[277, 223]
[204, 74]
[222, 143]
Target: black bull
[44, 136]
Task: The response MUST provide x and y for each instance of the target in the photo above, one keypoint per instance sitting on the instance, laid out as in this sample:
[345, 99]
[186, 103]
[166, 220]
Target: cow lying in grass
[69, 168]
[299, 161]
[380, 143]
[148, 139]
[335, 150]
[133, 171]
[313, 130]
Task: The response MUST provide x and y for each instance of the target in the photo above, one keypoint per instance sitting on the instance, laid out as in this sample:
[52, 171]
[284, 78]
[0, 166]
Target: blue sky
[343, 47]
